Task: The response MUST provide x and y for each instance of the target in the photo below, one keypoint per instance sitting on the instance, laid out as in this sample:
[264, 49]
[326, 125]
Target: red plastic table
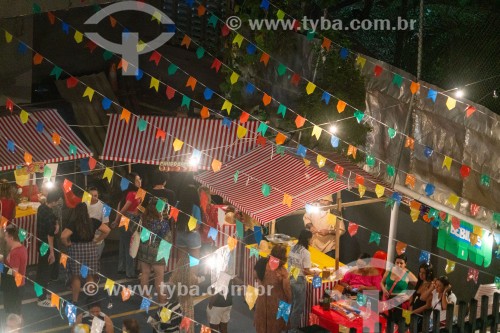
[331, 320]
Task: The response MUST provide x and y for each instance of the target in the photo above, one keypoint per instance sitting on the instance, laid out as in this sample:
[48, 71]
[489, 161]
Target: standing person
[16, 261]
[266, 305]
[440, 295]
[47, 227]
[394, 285]
[130, 326]
[158, 189]
[424, 284]
[300, 258]
[78, 236]
[323, 231]
[96, 211]
[148, 251]
[129, 206]
[187, 237]
[7, 211]
[219, 309]
[94, 310]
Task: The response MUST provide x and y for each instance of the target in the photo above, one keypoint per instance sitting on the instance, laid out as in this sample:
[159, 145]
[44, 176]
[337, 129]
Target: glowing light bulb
[333, 129]
[194, 161]
[49, 185]
[459, 93]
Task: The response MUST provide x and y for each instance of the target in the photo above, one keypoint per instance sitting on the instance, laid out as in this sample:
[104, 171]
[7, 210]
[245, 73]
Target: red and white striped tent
[284, 174]
[125, 143]
[27, 138]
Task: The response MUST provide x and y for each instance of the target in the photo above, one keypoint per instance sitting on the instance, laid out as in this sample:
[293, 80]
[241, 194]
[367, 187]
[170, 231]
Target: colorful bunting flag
[316, 131]
[374, 238]
[352, 229]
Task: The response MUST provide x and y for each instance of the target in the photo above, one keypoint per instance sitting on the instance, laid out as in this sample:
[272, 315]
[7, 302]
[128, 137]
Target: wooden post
[129, 167]
[462, 313]
[449, 317]
[484, 313]
[337, 232]
[472, 314]
[495, 320]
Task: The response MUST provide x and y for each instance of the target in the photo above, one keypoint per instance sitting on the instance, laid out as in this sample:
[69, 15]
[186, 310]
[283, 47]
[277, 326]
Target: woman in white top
[299, 259]
[440, 295]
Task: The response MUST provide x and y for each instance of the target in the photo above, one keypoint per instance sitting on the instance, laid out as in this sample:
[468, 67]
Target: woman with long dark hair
[440, 295]
[153, 221]
[300, 259]
[274, 279]
[78, 237]
[424, 286]
[128, 206]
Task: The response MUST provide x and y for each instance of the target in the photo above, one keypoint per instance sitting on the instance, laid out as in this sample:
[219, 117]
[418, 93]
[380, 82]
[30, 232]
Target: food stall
[283, 173]
[36, 138]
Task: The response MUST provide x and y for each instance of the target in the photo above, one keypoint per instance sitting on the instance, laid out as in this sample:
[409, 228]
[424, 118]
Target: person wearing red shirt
[16, 261]
[7, 202]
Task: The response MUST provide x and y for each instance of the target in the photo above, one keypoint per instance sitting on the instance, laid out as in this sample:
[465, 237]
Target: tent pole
[337, 232]
[393, 229]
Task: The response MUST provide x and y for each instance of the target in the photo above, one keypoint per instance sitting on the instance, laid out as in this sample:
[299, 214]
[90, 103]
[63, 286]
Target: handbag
[135, 241]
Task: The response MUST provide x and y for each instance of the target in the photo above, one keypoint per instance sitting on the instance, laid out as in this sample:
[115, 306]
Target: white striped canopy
[284, 174]
[125, 143]
[38, 144]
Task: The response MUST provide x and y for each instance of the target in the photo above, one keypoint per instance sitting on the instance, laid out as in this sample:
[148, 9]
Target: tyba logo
[130, 40]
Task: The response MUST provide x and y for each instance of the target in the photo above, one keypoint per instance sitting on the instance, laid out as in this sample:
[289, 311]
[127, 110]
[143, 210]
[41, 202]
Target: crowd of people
[82, 232]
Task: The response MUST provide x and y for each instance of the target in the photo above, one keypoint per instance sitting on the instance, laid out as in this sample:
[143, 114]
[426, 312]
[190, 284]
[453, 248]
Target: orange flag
[55, 300]
[326, 43]
[161, 134]
[414, 87]
[28, 158]
[191, 82]
[201, 10]
[124, 221]
[410, 143]
[125, 115]
[244, 117]
[19, 278]
[280, 138]
[216, 165]
[56, 138]
[123, 64]
[341, 106]
[63, 260]
[204, 112]
[352, 151]
[186, 41]
[231, 242]
[125, 294]
[37, 59]
[410, 180]
[287, 200]
[266, 99]
[400, 248]
[141, 194]
[112, 21]
[264, 58]
[300, 121]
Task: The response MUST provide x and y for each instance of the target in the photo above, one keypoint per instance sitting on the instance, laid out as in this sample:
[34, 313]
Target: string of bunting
[379, 188]
[410, 178]
[326, 45]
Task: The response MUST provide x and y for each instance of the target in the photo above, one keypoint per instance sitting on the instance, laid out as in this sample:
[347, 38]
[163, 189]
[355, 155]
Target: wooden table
[313, 295]
[331, 320]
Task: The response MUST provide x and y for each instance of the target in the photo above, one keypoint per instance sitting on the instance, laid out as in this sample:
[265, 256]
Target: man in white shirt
[96, 211]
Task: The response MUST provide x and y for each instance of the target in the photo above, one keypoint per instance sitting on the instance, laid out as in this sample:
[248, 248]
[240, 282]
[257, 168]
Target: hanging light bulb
[459, 93]
[495, 94]
[333, 129]
[49, 185]
[195, 158]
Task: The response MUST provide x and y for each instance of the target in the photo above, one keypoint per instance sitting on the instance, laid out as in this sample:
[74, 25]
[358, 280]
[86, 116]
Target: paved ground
[45, 320]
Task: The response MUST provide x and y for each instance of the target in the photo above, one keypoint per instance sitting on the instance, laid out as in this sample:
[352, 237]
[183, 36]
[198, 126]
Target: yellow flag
[89, 92]
[407, 316]
[280, 14]
[379, 190]
[450, 103]
[140, 46]
[234, 78]
[231, 243]
[86, 197]
[287, 200]
[251, 296]
[316, 132]
[242, 131]
[78, 37]
[8, 37]
[447, 162]
[360, 61]
[321, 160]
[227, 106]
[192, 223]
[332, 219]
[238, 40]
[307, 162]
[453, 199]
[154, 83]
[414, 213]
[24, 116]
[156, 16]
[450, 266]
[109, 286]
[177, 144]
[21, 179]
[165, 315]
[478, 231]
[108, 173]
[310, 88]
[361, 190]
[295, 272]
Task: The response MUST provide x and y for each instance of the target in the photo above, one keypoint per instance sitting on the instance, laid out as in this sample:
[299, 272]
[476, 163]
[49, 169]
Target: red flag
[377, 70]
[295, 79]
[352, 229]
[455, 222]
[474, 209]
[92, 163]
[170, 92]
[244, 117]
[174, 213]
[339, 170]
[161, 134]
[464, 171]
[225, 30]
[91, 46]
[470, 110]
[360, 180]
[156, 56]
[216, 64]
[9, 105]
[71, 82]
[261, 140]
[52, 17]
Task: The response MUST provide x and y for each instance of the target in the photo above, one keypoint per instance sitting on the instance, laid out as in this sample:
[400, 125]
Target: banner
[457, 241]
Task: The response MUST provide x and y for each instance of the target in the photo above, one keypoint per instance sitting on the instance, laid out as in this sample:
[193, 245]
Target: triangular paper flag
[177, 144]
[191, 82]
[414, 214]
[125, 115]
[89, 92]
[63, 260]
[361, 190]
[238, 39]
[55, 300]
[24, 116]
[451, 103]
[165, 315]
[109, 285]
[375, 237]
[124, 221]
[450, 266]
[351, 150]
[227, 105]
[266, 99]
[192, 223]
[300, 121]
[341, 106]
[379, 190]
[280, 138]
[352, 229]
[414, 87]
[86, 197]
[251, 295]
[287, 200]
[216, 165]
[231, 242]
[316, 132]
[410, 180]
[470, 110]
[154, 83]
[310, 88]
[264, 58]
[234, 78]
[447, 162]
[321, 160]
[241, 132]
[400, 247]
[108, 174]
[186, 40]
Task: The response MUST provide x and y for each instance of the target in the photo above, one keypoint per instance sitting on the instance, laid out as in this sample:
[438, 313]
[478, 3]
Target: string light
[333, 129]
[459, 93]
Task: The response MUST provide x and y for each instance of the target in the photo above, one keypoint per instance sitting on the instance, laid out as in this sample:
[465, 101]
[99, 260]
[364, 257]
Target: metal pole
[337, 232]
[393, 229]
